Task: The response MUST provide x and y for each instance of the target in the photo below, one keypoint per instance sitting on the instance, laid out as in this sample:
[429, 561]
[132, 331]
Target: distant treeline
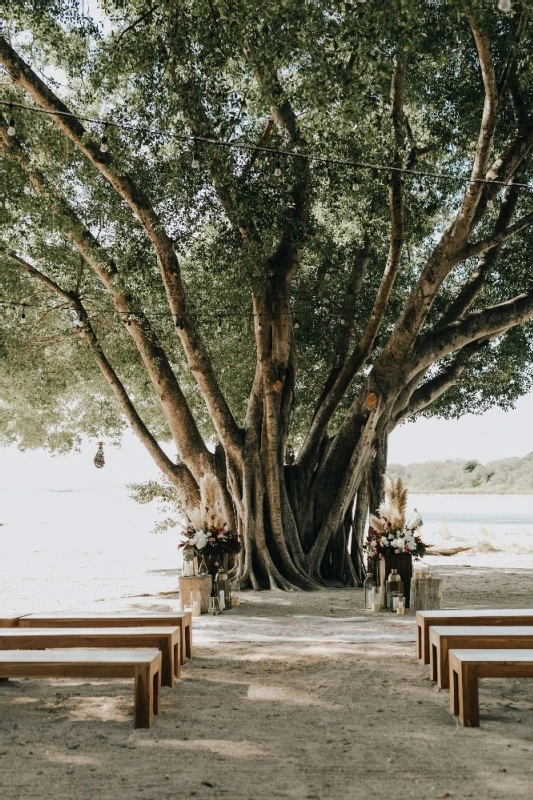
[506, 476]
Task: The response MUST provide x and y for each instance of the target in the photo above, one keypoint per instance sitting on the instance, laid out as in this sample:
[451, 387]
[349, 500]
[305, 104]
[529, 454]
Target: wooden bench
[456, 616]
[144, 666]
[167, 640]
[8, 621]
[118, 619]
[468, 666]
[442, 639]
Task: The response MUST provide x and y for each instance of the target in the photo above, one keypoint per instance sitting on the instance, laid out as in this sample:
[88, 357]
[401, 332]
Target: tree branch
[178, 474]
[190, 444]
[480, 324]
[362, 351]
[431, 390]
[488, 121]
[498, 237]
[197, 357]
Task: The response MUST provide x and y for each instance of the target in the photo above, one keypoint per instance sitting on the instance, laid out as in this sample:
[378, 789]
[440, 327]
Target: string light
[11, 128]
[195, 163]
[355, 181]
[504, 5]
[277, 169]
[103, 144]
[310, 157]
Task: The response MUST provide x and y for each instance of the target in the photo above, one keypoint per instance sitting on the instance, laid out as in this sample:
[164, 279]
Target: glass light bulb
[504, 5]
[103, 145]
[11, 128]
[195, 164]
[277, 171]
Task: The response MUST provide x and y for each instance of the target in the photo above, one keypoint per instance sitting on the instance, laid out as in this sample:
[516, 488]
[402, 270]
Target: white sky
[496, 434]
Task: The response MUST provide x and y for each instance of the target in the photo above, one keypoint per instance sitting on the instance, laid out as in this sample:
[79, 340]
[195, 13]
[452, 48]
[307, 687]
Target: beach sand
[288, 696]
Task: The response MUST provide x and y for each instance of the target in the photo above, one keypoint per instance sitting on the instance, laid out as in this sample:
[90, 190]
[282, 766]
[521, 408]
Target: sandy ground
[300, 696]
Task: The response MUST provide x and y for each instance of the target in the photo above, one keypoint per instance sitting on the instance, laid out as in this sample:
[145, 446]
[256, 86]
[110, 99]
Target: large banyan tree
[278, 228]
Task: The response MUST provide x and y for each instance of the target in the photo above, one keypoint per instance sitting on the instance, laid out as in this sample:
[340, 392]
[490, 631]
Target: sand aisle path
[289, 696]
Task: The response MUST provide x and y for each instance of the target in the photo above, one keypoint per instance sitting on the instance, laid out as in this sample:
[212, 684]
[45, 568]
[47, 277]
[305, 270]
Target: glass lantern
[222, 588]
[393, 588]
[369, 588]
[188, 561]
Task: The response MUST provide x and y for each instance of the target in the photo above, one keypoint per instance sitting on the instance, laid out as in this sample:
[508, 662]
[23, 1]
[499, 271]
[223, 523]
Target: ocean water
[467, 514]
[74, 548]
[66, 549]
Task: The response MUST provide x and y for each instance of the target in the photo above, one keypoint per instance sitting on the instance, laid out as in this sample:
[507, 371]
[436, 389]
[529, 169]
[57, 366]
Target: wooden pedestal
[426, 594]
[403, 562]
[196, 583]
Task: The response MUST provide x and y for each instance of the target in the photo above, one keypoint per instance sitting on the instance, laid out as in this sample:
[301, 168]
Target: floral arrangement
[207, 531]
[388, 532]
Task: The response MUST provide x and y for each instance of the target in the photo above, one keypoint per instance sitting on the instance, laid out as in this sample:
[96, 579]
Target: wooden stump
[197, 583]
[426, 594]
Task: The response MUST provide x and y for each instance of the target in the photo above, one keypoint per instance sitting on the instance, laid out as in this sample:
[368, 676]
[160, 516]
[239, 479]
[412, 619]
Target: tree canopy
[221, 217]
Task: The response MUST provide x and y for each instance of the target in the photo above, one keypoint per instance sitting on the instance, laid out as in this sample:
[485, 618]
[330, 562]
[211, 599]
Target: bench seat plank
[468, 666]
[458, 616]
[144, 666]
[106, 619]
[9, 621]
[166, 639]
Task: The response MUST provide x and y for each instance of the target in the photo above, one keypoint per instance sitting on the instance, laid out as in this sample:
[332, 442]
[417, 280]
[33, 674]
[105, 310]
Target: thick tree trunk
[362, 507]
[378, 470]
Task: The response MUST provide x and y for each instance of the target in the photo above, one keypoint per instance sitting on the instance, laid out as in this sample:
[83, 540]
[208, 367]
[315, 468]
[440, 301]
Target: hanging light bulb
[219, 325]
[504, 5]
[277, 169]
[99, 460]
[355, 181]
[259, 325]
[195, 163]
[11, 128]
[490, 203]
[23, 314]
[103, 141]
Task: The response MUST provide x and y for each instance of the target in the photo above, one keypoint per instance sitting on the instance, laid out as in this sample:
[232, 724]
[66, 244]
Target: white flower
[384, 541]
[395, 543]
[200, 540]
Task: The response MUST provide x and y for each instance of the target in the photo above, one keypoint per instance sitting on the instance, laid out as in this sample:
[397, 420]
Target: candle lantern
[188, 561]
[393, 588]
[223, 588]
[369, 588]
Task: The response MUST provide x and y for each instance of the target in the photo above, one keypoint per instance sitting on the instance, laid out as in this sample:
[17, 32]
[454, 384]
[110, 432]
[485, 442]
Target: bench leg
[464, 694]
[433, 660]
[167, 661]
[454, 691]
[425, 643]
[443, 669]
[183, 648]
[156, 691]
[419, 641]
[188, 641]
[143, 710]
[469, 700]
[177, 660]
